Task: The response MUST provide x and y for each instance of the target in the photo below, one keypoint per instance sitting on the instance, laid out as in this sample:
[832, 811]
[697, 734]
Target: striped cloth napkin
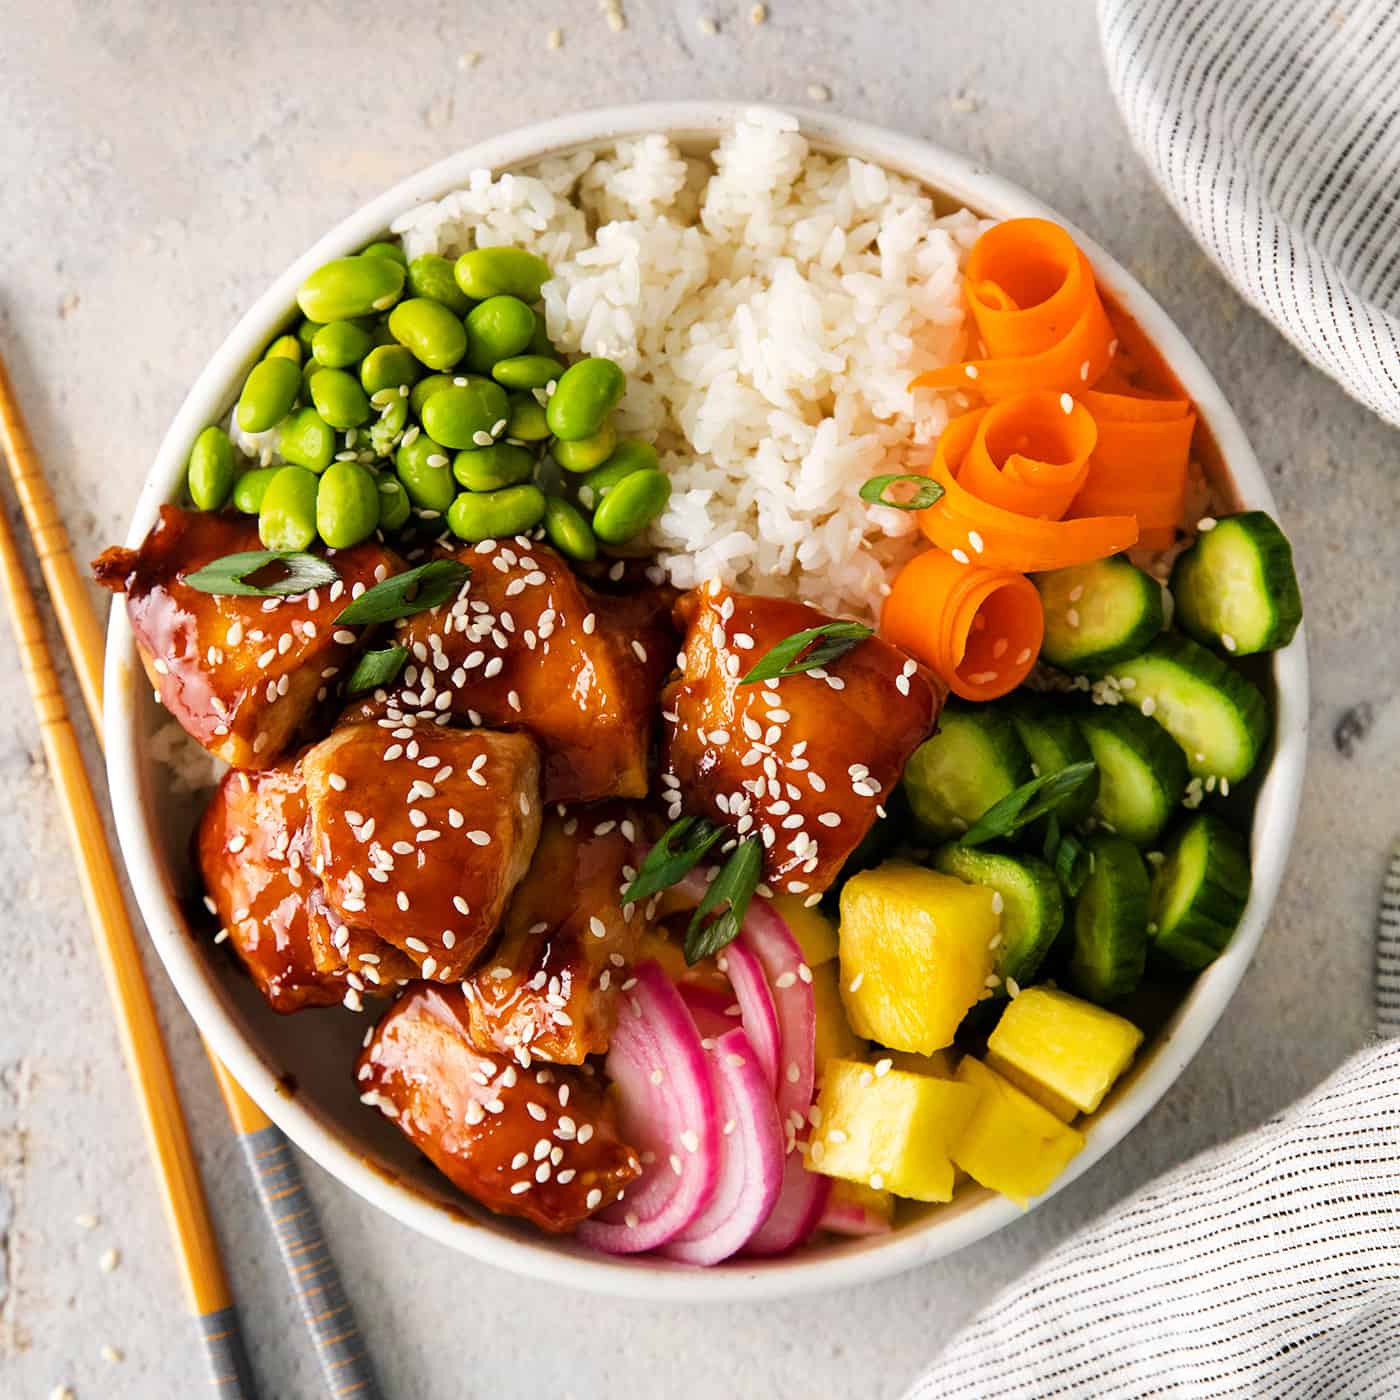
[1273, 126]
[1268, 1267]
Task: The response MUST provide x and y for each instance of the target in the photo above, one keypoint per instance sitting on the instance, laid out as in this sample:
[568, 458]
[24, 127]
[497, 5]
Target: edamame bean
[425, 469]
[347, 505]
[497, 328]
[287, 517]
[466, 415]
[209, 472]
[630, 455]
[385, 431]
[584, 454]
[425, 388]
[268, 394]
[307, 440]
[339, 398]
[349, 287]
[430, 331]
[341, 343]
[388, 367]
[494, 515]
[568, 531]
[251, 487]
[586, 393]
[431, 276]
[386, 250]
[491, 272]
[306, 333]
[285, 347]
[308, 372]
[526, 419]
[393, 502]
[524, 371]
[631, 505]
[489, 468]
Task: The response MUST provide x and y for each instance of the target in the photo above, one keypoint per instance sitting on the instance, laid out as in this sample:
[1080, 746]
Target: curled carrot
[1038, 312]
[1140, 462]
[978, 629]
[974, 529]
[1030, 454]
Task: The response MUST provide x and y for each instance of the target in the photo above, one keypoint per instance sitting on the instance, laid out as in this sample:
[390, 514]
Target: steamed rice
[769, 306]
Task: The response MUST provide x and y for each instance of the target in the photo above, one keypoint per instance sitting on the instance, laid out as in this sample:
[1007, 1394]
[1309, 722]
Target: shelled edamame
[429, 390]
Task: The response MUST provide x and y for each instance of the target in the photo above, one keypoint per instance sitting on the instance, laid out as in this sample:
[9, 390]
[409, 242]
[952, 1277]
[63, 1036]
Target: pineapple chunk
[1071, 1050]
[835, 1038]
[939, 1064]
[915, 954]
[1010, 1142]
[1045, 1096]
[812, 929]
[656, 947]
[889, 1131]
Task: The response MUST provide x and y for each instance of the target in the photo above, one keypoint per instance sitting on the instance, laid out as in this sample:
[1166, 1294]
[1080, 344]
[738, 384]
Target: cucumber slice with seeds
[974, 760]
[1220, 720]
[1096, 614]
[1199, 893]
[1110, 922]
[1054, 741]
[1033, 909]
[1235, 588]
[1142, 771]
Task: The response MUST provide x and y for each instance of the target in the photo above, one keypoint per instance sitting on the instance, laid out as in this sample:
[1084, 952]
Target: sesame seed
[961, 556]
[1066, 403]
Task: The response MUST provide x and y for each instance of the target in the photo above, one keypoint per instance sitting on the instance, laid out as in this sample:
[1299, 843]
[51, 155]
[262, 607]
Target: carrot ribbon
[978, 629]
[1037, 309]
[1001, 506]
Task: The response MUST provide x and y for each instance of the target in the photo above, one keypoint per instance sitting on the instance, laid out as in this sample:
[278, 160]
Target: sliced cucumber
[1053, 740]
[975, 759]
[1199, 892]
[1142, 771]
[1110, 922]
[1235, 588]
[1220, 719]
[1099, 613]
[1033, 910]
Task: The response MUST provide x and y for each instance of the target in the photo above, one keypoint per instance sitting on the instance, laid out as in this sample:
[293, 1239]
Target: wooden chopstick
[166, 1134]
[311, 1270]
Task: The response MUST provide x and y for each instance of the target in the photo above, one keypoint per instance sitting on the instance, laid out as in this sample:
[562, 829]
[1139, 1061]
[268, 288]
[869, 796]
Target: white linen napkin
[1267, 1267]
[1273, 126]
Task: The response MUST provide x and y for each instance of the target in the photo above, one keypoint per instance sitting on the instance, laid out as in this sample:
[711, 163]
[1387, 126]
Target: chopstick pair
[312, 1273]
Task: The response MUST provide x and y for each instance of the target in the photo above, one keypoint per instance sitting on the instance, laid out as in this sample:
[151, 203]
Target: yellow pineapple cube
[835, 1038]
[812, 929]
[1072, 1050]
[915, 954]
[889, 1131]
[1065, 1111]
[656, 947]
[1010, 1143]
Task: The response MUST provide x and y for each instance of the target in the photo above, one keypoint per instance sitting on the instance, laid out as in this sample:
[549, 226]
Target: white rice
[769, 306]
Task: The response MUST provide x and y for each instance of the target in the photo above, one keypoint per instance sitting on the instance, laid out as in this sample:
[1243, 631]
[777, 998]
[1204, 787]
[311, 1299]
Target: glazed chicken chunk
[541, 1142]
[252, 848]
[804, 762]
[528, 644]
[253, 844]
[549, 989]
[420, 833]
[240, 674]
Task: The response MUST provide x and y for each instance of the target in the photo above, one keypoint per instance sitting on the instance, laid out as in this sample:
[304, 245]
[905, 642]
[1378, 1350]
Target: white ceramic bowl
[303, 1081]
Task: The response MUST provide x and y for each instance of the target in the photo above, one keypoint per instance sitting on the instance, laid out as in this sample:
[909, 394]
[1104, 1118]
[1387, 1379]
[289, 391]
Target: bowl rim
[948, 174]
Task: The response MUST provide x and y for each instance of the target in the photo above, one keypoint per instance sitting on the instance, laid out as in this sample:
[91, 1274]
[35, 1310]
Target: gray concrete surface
[159, 164]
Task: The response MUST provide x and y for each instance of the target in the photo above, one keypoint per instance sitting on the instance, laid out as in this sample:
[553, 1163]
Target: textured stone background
[159, 164]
